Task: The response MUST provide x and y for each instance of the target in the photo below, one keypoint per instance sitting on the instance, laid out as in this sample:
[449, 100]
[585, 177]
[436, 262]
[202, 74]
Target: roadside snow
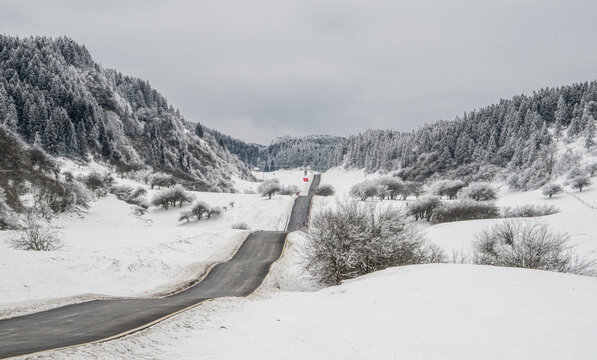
[412, 312]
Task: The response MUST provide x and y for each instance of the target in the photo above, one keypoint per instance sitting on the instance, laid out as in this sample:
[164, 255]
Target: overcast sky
[264, 68]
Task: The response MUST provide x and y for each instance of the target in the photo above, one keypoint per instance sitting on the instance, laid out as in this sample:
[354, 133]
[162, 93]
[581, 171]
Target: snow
[111, 252]
[574, 218]
[446, 311]
[441, 311]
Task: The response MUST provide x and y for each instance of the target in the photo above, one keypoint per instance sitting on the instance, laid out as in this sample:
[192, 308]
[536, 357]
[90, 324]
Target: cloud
[300, 67]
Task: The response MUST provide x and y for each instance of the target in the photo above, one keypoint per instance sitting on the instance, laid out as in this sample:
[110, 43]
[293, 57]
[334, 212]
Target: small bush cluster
[98, 183]
[528, 244]
[160, 180]
[240, 226]
[198, 211]
[424, 207]
[529, 211]
[465, 209]
[353, 240]
[325, 190]
[386, 187]
[288, 190]
[171, 197]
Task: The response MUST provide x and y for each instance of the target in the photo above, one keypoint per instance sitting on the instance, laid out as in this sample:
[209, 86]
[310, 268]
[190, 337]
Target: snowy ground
[412, 312]
[109, 251]
[440, 311]
[574, 218]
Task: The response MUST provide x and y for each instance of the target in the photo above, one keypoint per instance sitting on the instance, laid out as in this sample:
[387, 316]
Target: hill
[56, 97]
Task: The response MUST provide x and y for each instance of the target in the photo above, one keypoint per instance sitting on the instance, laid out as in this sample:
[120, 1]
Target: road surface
[302, 206]
[105, 319]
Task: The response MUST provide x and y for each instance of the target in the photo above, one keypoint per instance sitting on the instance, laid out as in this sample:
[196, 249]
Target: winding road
[103, 320]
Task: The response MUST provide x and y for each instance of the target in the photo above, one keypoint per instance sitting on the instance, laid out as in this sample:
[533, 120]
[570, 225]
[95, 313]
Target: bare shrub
[461, 210]
[36, 236]
[240, 226]
[478, 192]
[353, 240]
[529, 211]
[528, 244]
[325, 190]
[198, 211]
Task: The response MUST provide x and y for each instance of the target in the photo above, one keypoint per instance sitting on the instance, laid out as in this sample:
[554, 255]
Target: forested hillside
[56, 97]
[317, 152]
[514, 139]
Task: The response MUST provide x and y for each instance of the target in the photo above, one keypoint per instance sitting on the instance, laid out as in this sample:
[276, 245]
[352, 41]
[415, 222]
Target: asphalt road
[302, 206]
[104, 319]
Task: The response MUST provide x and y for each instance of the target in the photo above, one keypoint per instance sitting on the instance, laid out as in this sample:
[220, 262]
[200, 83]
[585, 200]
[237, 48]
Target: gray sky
[264, 68]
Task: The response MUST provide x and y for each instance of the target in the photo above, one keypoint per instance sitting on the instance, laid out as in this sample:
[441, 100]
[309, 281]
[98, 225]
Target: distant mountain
[317, 152]
[55, 96]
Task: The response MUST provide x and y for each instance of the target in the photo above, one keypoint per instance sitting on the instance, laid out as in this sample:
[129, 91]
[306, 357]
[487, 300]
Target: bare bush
[353, 240]
[466, 209]
[36, 236]
[325, 190]
[240, 226]
[529, 211]
[551, 189]
[527, 244]
[478, 192]
[198, 211]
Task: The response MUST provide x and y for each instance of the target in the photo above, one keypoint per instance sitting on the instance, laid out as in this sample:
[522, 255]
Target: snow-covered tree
[551, 189]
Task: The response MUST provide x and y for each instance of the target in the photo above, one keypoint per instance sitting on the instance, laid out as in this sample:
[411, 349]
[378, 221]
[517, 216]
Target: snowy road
[105, 319]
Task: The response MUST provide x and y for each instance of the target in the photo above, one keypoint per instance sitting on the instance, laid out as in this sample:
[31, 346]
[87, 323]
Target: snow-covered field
[110, 251]
[439, 311]
[412, 312]
[574, 218]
